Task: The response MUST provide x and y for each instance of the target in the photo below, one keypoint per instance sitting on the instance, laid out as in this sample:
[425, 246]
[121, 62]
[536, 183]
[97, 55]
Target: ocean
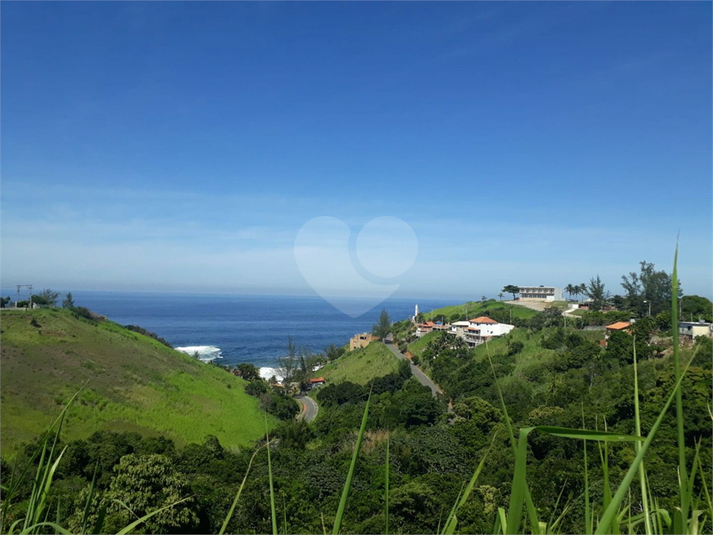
[238, 328]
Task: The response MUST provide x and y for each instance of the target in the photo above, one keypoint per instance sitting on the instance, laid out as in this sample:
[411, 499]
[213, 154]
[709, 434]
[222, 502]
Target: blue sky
[182, 146]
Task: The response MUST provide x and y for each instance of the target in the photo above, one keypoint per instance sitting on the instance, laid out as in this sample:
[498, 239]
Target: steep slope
[131, 382]
[361, 365]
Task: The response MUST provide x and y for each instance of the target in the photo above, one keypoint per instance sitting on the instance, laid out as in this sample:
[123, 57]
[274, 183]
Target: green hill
[133, 383]
[479, 308]
[361, 365]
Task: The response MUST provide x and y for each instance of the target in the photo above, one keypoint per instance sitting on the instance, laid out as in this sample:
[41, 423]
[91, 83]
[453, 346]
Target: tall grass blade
[240, 490]
[642, 471]
[386, 487]
[706, 493]
[588, 520]
[272, 490]
[531, 511]
[35, 528]
[557, 502]
[90, 496]
[284, 515]
[134, 524]
[452, 513]
[99, 524]
[609, 516]
[683, 476]
[348, 483]
[453, 519]
[517, 494]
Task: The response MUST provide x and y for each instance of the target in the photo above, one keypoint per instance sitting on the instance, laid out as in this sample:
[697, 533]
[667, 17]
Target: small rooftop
[619, 326]
[483, 319]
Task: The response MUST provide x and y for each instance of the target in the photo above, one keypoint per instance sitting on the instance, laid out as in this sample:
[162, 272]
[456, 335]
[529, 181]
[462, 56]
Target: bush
[143, 331]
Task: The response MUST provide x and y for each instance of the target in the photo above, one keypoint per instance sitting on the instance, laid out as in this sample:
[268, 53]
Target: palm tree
[569, 289]
[500, 295]
[582, 289]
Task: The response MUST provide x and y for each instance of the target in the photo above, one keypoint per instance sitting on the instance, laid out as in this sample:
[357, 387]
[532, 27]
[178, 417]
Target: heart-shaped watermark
[385, 248]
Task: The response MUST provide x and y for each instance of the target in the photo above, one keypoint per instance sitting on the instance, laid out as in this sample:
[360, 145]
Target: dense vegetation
[543, 376]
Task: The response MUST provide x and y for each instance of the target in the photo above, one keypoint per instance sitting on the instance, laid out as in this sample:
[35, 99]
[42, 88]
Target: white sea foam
[266, 373]
[205, 353]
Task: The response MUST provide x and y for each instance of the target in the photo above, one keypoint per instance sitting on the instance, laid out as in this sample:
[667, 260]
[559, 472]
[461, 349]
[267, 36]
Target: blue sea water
[250, 329]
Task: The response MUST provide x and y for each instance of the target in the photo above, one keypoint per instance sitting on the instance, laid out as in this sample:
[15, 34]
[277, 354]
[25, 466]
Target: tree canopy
[511, 289]
[383, 327]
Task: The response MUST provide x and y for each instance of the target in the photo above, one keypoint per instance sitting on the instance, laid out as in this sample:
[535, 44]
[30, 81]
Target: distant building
[541, 293]
[688, 330]
[317, 381]
[428, 326]
[360, 340]
[619, 326]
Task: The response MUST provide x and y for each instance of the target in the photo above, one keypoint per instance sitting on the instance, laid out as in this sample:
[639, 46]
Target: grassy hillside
[133, 383]
[361, 365]
[417, 347]
[478, 308]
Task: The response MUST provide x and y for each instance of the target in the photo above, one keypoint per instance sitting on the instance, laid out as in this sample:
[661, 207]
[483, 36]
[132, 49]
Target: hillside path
[422, 377]
[309, 408]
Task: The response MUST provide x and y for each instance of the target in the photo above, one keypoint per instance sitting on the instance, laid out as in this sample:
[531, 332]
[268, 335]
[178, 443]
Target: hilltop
[361, 365]
[133, 383]
[480, 308]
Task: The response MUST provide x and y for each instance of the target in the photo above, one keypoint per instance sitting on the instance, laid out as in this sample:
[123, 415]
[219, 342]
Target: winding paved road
[415, 370]
[309, 408]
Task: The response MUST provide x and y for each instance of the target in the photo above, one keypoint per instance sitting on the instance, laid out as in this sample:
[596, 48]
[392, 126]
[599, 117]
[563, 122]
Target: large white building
[541, 293]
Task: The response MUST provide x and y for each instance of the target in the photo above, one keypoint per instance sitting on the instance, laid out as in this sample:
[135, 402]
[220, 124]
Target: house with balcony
[479, 330]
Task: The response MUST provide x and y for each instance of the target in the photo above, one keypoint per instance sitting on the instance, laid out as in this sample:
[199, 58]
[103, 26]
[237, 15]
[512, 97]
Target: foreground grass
[133, 383]
[361, 365]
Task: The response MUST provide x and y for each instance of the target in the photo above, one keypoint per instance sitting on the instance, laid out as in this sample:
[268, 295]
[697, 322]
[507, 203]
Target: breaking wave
[266, 373]
[205, 353]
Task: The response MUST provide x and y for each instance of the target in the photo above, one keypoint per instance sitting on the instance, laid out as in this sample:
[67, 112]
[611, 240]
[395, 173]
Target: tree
[288, 364]
[569, 289]
[648, 290]
[500, 295]
[511, 289]
[248, 371]
[146, 483]
[581, 289]
[695, 306]
[4, 301]
[596, 292]
[49, 297]
[68, 302]
[334, 352]
[383, 326]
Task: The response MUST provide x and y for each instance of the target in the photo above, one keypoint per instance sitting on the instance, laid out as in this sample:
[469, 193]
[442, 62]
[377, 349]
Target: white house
[689, 330]
[479, 330]
[490, 327]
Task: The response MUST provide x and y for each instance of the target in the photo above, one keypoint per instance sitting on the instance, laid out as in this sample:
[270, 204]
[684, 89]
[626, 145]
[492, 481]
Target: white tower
[415, 312]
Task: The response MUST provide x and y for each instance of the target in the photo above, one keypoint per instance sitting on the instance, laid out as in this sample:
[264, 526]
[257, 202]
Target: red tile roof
[619, 326]
[483, 319]
[317, 380]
